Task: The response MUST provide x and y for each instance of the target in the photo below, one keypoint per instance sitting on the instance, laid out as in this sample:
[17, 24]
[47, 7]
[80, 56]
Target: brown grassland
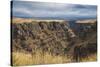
[20, 58]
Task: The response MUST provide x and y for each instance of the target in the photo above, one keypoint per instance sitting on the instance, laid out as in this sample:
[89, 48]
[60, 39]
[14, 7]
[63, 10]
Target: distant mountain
[60, 18]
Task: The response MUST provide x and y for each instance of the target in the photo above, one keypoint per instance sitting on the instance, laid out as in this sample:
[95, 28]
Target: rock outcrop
[52, 36]
[55, 37]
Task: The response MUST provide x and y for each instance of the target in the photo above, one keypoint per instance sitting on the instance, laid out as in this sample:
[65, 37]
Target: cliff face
[53, 37]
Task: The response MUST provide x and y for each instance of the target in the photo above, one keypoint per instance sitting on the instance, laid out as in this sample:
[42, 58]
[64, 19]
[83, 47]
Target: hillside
[54, 37]
[47, 36]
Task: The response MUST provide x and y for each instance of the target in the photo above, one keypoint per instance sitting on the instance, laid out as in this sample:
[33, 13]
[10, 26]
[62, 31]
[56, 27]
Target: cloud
[43, 9]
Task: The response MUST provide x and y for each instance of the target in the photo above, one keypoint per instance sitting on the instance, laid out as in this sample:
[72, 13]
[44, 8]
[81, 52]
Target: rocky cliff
[52, 36]
[55, 37]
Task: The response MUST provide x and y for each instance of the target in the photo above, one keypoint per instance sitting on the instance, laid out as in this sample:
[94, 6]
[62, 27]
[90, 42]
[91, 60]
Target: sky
[47, 10]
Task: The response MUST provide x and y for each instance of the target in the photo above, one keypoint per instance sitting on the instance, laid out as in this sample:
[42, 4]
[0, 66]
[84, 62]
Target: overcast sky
[52, 10]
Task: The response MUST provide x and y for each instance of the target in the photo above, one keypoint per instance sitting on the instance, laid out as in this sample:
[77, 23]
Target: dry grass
[28, 20]
[39, 58]
[90, 58]
[20, 58]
